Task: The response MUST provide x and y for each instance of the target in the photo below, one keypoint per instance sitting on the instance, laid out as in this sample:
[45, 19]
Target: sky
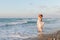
[29, 8]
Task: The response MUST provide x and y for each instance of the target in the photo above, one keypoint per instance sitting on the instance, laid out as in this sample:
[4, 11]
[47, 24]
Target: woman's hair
[40, 15]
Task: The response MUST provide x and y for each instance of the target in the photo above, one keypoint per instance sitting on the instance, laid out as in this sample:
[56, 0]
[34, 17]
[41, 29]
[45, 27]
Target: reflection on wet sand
[42, 36]
[54, 36]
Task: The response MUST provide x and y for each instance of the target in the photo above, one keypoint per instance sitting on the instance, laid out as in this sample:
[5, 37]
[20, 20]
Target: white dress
[40, 25]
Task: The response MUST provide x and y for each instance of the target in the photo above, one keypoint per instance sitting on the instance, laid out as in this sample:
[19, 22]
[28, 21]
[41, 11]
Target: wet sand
[41, 36]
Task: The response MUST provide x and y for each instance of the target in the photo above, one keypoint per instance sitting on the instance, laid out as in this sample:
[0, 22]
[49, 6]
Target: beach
[26, 29]
[29, 19]
[53, 36]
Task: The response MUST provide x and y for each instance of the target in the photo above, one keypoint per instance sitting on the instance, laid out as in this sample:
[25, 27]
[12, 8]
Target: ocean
[22, 28]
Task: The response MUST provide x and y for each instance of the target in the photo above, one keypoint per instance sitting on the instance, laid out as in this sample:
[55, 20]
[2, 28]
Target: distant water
[21, 28]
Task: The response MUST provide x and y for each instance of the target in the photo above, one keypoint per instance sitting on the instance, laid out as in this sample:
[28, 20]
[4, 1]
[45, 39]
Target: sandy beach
[53, 36]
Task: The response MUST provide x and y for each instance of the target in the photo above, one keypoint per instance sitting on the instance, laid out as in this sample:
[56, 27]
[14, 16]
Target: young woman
[40, 23]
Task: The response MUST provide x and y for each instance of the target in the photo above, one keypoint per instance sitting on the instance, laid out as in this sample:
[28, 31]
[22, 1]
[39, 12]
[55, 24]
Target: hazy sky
[29, 8]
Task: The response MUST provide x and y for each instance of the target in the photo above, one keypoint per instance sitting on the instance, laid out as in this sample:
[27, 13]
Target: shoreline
[52, 36]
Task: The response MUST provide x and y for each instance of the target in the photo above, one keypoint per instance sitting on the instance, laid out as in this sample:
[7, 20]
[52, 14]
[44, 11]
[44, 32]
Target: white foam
[13, 23]
[13, 35]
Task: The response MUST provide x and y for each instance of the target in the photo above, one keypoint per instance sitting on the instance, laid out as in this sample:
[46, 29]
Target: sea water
[22, 28]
